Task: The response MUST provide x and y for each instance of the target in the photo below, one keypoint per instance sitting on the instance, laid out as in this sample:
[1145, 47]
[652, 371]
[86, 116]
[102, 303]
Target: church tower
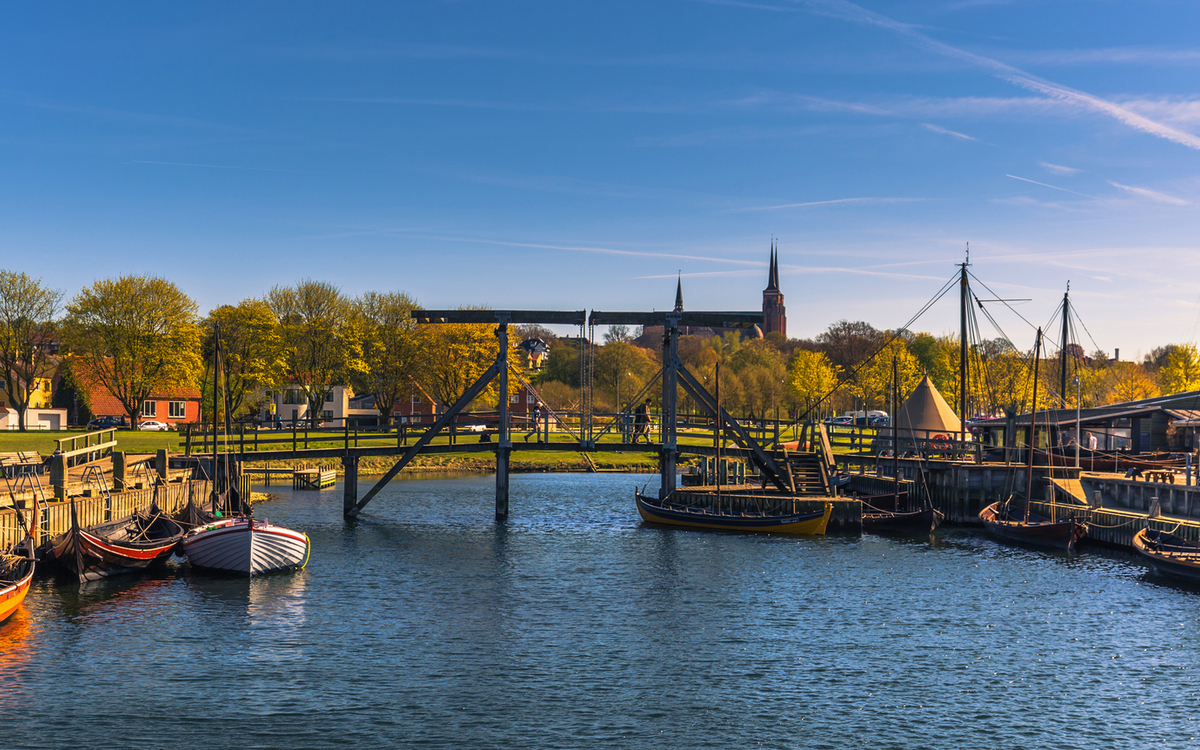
[774, 314]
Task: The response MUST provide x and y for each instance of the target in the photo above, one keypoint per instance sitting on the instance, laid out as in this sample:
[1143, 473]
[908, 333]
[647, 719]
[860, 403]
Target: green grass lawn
[43, 441]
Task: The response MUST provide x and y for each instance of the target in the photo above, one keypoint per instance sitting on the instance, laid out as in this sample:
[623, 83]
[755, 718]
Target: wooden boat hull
[1169, 555]
[807, 524]
[915, 521]
[1038, 532]
[243, 546]
[14, 588]
[99, 551]
[1089, 461]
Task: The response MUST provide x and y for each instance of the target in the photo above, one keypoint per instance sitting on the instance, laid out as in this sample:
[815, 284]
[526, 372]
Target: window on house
[416, 399]
[292, 396]
[176, 409]
[531, 399]
[325, 415]
[329, 398]
[150, 409]
[45, 386]
[516, 399]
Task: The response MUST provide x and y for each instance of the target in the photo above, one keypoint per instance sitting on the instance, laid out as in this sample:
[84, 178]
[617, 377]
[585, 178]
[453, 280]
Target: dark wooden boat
[880, 521]
[1029, 528]
[1169, 555]
[123, 546]
[811, 523]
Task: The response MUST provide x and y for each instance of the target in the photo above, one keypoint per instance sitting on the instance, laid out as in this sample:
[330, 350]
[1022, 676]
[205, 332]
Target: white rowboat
[246, 547]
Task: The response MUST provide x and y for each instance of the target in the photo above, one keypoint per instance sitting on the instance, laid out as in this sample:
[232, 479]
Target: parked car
[106, 423]
[152, 425]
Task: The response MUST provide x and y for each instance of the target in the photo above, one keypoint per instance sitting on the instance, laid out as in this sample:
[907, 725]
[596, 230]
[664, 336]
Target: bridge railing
[565, 427]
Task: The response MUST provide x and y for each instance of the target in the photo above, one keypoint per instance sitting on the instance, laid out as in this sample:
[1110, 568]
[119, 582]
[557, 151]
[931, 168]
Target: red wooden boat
[123, 546]
[16, 569]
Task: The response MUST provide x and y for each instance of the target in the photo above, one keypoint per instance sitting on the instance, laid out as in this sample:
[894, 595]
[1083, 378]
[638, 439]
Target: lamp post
[1078, 434]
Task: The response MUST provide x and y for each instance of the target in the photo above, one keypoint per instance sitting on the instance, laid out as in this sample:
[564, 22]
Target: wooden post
[120, 472]
[350, 489]
[187, 441]
[503, 442]
[160, 464]
[58, 476]
[670, 387]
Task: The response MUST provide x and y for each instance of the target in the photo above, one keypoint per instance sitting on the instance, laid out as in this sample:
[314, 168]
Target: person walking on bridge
[641, 421]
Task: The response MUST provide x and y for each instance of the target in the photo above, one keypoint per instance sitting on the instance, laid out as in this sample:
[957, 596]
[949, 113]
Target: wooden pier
[313, 479]
[56, 516]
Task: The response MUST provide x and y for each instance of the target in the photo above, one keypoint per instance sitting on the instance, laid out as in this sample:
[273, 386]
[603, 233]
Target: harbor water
[574, 626]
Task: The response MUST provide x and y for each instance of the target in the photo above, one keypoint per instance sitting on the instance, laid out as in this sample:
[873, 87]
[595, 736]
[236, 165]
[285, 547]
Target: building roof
[1175, 406]
[102, 403]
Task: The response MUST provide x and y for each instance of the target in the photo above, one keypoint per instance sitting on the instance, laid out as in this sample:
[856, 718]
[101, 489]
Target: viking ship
[811, 523]
[1169, 555]
[16, 569]
[235, 542]
[130, 544]
[1005, 522]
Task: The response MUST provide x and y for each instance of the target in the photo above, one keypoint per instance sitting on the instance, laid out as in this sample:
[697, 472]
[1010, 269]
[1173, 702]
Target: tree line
[141, 336]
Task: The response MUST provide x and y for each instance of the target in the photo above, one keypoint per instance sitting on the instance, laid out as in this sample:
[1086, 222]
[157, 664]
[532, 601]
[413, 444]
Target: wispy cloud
[1043, 184]
[1059, 169]
[944, 131]
[1107, 55]
[909, 107]
[834, 202]
[848, 11]
[1153, 195]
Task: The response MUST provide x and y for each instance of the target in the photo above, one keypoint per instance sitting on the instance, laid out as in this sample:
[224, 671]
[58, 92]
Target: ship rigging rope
[897, 334]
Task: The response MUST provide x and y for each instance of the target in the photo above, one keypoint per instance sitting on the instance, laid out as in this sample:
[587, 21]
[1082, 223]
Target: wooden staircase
[809, 474]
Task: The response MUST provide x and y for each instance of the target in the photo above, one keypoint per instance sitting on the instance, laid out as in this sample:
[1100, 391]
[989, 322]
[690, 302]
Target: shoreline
[546, 463]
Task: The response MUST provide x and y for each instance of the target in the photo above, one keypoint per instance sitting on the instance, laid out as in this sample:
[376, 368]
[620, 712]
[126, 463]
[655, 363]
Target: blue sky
[560, 156]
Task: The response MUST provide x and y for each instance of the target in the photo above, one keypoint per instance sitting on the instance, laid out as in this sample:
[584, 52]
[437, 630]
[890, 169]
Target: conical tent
[925, 409]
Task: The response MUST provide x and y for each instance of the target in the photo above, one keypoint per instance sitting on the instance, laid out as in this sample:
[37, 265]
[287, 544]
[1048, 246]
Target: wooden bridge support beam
[504, 438]
[669, 428]
[350, 486]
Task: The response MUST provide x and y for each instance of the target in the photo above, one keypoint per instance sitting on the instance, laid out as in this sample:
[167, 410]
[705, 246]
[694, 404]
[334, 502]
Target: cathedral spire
[679, 294]
[773, 275]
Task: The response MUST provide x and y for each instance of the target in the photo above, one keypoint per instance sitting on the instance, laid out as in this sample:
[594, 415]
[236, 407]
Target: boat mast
[963, 362]
[216, 489]
[895, 435]
[1037, 355]
[1062, 375]
[717, 467]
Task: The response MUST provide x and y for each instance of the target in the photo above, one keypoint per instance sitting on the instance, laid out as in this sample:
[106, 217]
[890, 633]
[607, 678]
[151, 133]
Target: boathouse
[1132, 426]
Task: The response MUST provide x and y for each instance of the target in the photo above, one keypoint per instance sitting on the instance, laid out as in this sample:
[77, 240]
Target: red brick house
[171, 407]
